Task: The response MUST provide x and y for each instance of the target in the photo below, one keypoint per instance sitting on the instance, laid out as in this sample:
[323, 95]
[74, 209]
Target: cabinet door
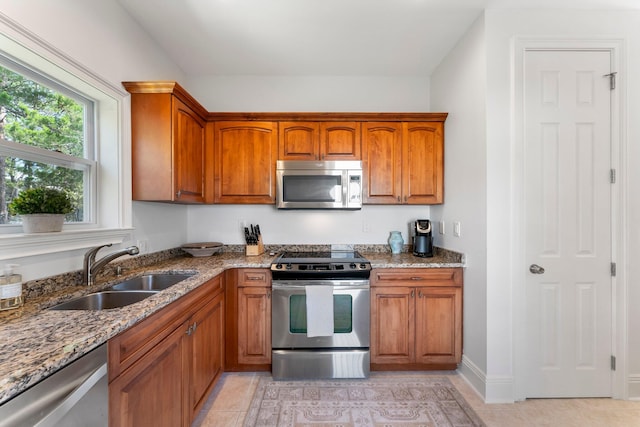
[189, 154]
[149, 393]
[438, 325]
[206, 341]
[254, 325]
[392, 325]
[245, 162]
[340, 141]
[423, 163]
[382, 162]
[298, 140]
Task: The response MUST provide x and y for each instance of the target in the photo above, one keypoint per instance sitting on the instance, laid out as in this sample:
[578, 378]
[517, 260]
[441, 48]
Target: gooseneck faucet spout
[91, 267]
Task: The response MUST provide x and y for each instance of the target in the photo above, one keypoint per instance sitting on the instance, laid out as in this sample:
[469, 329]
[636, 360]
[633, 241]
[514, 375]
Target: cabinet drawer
[417, 277]
[254, 277]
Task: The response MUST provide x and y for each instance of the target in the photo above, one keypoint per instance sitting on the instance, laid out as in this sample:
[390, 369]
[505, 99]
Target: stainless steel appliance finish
[319, 184]
[341, 354]
[74, 396]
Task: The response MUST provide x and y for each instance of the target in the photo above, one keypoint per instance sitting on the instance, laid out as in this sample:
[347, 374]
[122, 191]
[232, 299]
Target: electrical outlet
[441, 227]
[142, 245]
[456, 229]
[366, 227]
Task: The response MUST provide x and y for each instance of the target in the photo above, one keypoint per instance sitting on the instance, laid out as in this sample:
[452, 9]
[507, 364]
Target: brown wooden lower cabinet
[248, 302]
[416, 318]
[162, 369]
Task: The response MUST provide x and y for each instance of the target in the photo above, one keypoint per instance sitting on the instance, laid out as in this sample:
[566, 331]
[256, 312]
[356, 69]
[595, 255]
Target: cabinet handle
[254, 278]
[405, 199]
[178, 194]
[413, 293]
[419, 294]
[195, 326]
[268, 294]
[416, 278]
[399, 199]
[189, 331]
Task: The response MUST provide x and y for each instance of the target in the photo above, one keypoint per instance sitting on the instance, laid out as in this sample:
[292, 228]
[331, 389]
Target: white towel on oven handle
[319, 310]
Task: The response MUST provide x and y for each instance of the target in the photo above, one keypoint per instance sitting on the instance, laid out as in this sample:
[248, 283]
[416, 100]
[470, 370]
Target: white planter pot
[42, 223]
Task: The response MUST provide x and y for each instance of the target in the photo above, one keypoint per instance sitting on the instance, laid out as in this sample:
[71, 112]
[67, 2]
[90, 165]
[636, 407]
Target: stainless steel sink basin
[150, 282]
[104, 300]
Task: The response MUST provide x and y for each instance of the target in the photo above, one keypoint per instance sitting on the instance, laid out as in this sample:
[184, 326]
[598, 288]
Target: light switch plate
[441, 227]
[456, 228]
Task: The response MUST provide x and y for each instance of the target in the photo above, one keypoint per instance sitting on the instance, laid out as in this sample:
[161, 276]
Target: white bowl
[202, 249]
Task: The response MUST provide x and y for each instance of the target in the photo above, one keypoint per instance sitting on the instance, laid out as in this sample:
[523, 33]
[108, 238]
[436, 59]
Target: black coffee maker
[422, 238]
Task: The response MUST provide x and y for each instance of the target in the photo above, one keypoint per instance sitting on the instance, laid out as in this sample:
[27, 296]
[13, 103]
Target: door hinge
[613, 269]
[612, 79]
[612, 176]
[613, 363]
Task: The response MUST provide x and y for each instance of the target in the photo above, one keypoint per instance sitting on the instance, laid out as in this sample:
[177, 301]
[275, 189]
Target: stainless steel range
[320, 315]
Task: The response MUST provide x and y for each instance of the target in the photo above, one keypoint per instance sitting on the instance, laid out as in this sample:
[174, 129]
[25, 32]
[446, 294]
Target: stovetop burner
[320, 265]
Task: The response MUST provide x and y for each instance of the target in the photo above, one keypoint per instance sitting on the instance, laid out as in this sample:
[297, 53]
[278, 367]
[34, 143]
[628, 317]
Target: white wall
[371, 224]
[102, 38]
[501, 26]
[311, 93]
[458, 86]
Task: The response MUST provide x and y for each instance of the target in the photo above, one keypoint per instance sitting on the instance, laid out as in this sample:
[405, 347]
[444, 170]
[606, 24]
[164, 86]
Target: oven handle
[338, 285]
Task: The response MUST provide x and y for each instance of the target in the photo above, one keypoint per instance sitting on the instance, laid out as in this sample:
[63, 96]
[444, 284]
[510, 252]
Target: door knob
[536, 269]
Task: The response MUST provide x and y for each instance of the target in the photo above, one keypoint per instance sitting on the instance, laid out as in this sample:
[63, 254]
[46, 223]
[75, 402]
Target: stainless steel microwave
[309, 184]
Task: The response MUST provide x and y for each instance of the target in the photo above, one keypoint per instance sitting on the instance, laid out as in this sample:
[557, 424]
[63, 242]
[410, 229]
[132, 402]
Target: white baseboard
[633, 384]
[493, 389]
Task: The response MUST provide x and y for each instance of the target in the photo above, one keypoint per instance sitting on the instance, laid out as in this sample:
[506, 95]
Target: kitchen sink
[104, 300]
[149, 282]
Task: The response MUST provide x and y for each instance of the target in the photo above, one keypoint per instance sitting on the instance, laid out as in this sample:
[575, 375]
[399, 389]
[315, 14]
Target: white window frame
[111, 213]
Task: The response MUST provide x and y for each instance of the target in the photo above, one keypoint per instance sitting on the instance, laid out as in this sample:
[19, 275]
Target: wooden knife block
[251, 250]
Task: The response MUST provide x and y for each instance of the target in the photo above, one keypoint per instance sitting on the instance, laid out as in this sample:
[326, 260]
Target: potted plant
[42, 209]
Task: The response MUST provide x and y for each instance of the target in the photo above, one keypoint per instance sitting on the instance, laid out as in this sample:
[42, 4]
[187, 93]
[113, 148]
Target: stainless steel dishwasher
[74, 396]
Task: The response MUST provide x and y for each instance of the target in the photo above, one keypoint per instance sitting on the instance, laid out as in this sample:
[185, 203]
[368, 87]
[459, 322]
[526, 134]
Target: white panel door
[568, 223]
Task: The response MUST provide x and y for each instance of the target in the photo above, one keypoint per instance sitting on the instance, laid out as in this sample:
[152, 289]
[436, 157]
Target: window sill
[22, 245]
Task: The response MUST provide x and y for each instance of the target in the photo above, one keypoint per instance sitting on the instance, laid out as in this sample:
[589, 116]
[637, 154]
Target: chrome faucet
[91, 266]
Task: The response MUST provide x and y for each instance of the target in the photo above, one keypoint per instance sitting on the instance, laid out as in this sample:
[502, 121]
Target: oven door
[350, 313]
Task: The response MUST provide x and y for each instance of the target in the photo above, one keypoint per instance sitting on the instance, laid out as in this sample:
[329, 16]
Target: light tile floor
[231, 397]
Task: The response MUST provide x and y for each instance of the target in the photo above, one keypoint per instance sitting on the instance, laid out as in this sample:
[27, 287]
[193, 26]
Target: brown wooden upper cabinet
[245, 161]
[169, 153]
[300, 140]
[403, 162]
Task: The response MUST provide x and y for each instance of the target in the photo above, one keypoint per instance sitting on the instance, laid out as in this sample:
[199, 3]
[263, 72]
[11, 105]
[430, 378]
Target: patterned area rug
[385, 401]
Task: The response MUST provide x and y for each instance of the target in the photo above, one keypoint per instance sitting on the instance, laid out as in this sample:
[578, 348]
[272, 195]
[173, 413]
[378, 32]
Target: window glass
[44, 139]
[342, 314]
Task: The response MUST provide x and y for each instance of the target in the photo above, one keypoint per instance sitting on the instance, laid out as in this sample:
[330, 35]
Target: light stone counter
[36, 342]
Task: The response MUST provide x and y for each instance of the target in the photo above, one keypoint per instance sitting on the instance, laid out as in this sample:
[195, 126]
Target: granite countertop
[36, 342]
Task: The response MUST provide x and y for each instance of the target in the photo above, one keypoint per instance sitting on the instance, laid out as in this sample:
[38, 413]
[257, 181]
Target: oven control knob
[352, 265]
[289, 267]
[278, 266]
[363, 266]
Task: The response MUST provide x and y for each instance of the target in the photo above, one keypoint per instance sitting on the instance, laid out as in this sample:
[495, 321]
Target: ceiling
[319, 37]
